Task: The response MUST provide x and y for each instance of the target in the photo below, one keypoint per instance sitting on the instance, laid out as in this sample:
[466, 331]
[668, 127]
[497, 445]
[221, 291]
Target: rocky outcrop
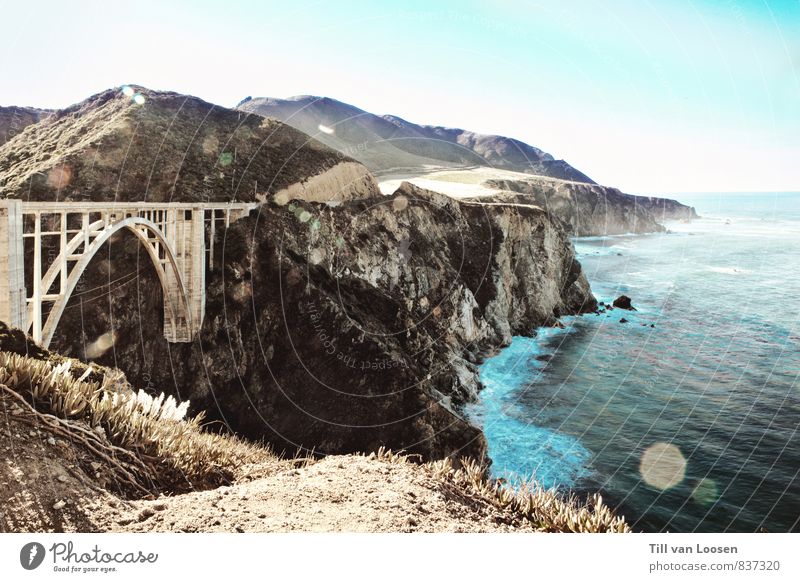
[339, 326]
[161, 146]
[387, 143]
[623, 302]
[588, 209]
[13, 120]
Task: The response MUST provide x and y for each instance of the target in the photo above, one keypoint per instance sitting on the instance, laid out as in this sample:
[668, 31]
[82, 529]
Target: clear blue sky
[646, 95]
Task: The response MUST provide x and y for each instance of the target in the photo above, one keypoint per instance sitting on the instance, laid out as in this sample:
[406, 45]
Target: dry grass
[547, 510]
[176, 452]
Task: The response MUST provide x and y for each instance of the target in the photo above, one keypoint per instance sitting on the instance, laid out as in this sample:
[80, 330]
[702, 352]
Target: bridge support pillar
[185, 233]
[13, 308]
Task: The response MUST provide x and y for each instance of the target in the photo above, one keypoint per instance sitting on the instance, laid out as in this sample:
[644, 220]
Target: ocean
[686, 417]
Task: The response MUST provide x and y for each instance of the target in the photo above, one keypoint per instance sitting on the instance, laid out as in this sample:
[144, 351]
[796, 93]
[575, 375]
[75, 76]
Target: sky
[651, 96]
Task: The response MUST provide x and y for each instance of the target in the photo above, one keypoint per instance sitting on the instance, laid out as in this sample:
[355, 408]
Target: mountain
[160, 146]
[387, 143]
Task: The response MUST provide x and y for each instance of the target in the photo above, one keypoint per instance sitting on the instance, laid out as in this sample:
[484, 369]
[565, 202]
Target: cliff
[591, 209]
[340, 326]
[387, 143]
[666, 208]
[345, 328]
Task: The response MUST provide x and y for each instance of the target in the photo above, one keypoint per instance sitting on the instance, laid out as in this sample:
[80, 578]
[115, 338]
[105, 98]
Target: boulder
[624, 302]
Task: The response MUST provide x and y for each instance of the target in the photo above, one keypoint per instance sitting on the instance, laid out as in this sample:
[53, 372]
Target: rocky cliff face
[339, 326]
[666, 208]
[589, 209]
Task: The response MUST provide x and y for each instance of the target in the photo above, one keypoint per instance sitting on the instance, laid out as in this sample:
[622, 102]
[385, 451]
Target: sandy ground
[339, 493]
[48, 484]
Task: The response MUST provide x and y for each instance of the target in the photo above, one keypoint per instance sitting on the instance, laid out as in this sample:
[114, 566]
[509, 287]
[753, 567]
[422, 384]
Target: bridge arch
[173, 292]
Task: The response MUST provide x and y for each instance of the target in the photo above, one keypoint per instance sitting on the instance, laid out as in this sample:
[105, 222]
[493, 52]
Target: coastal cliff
[346, 328]
[591, 209]
[338, 326]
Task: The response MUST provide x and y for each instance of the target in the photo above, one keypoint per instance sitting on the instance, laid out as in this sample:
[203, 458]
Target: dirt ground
[50, 485]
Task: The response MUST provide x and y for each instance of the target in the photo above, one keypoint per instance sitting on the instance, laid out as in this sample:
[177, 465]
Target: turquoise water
[705, 373]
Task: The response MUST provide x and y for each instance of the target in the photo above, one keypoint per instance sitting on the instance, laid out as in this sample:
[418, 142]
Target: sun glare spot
[662, 466]
[325, 129]
[59, 177]
[400, 203]
[138, 99]
[705, 492]
[101, 345]
[127, 91]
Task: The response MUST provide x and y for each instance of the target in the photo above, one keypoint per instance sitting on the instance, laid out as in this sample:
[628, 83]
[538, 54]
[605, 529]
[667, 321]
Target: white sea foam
[729, 270]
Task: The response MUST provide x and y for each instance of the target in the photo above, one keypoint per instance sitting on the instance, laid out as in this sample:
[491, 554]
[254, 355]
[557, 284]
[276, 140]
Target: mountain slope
[389, 143]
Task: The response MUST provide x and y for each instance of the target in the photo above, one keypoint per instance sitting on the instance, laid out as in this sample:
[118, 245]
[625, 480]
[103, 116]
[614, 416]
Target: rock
[51, 441]
[63, 478]
[145, 514]
[58, 505]
[623, 320]
[624, 302]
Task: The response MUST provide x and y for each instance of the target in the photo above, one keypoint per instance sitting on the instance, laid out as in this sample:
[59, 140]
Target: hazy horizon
[663, 97]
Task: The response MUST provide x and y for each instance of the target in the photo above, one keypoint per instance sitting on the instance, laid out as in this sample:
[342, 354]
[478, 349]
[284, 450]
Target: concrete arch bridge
[178, 237]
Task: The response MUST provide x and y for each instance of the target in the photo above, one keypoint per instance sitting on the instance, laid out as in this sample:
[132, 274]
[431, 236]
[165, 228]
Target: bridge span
[46, 246]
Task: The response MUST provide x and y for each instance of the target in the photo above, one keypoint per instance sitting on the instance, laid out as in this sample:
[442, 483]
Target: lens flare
[59, 177]
[138, 99]
[400, 203]
[705, 492]
[325, 129]
[662, 466]
[128, 91]
[101, 345]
